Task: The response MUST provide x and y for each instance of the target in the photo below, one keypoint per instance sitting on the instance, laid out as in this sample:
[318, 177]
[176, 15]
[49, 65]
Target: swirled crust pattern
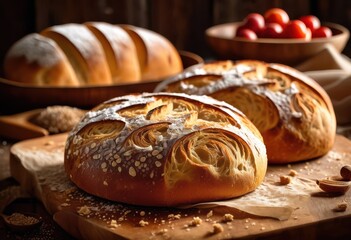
[293, 113]
[164, 150]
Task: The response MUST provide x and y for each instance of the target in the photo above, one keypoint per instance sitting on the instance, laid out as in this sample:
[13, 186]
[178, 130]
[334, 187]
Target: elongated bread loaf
[165, 150]
[94, 53]
[293, 113]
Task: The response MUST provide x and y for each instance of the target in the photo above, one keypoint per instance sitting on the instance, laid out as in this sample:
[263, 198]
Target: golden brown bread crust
[293, 113]
[158, 58]
[121, 53]
[84, 52]
[165, 150]
[38, 60]
[94, 53]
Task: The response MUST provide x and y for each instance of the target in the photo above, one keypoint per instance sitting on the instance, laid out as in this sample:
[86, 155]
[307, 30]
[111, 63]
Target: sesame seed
[137, 163]
[127, 153]
[159, 156]
[105, 183]
[158, 164]
[114, 164]
[103, 165]
[155, 152]
[117, 157]
[86, 150]
[132, 172]
[93, 145]
[142, 159]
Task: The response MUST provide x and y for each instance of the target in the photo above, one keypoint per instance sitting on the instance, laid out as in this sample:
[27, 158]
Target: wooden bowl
[16, 97]
[287, 51]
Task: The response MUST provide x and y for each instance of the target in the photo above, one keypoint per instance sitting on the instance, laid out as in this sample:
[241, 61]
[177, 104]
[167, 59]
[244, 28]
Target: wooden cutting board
[20, 127]
[38, 165]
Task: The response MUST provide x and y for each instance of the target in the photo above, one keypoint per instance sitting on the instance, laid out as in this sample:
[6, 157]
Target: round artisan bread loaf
[93, 53]
[165, 149]
[293, 113]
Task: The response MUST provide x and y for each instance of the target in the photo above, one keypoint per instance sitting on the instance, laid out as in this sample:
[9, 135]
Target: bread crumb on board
[284, 180]
[217, 228]
[228, 217]
[292, 173]
[196, 221]
[341, 207]
[84, 210]
[143, 223]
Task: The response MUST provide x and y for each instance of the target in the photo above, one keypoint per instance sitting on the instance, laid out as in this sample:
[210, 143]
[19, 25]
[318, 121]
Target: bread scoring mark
[259, 109]
[101, 130]
[266, 93]
[108, 104]
[222, 153]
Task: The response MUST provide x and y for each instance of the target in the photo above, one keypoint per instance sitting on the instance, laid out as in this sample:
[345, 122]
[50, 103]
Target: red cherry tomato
[312, 22]
[239, 28]
[295, 29]
[246, 33]
[308, 34]
[254, 21]
[322, 32]
[276, 15]
[272, 30]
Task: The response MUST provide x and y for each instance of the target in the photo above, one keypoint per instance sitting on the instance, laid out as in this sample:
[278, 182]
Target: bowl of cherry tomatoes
[274, 37]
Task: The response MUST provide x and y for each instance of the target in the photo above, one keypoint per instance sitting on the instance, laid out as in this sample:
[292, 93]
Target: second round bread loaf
[293, 113]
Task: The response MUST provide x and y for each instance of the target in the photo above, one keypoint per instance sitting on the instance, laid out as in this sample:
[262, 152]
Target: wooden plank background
[183, 22]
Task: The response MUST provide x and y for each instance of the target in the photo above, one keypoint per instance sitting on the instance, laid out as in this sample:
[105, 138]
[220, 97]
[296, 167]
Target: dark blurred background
[183, 22]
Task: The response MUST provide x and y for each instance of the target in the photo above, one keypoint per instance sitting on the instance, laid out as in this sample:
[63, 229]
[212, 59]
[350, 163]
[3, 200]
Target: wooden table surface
[50, 230]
